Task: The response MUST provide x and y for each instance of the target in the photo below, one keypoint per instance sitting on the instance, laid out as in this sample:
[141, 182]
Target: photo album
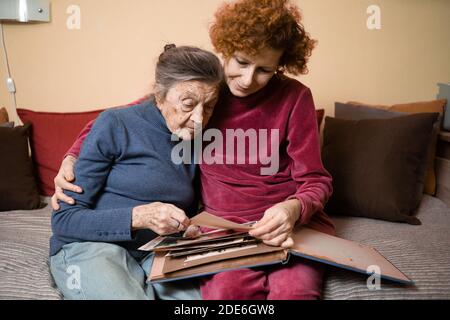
[228, 246]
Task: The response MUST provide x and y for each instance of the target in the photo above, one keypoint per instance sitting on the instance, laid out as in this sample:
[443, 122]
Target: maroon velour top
[238, 190]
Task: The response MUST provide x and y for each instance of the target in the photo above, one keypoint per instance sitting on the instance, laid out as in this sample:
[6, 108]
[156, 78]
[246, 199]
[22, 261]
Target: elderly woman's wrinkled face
[247, 74]
[187, 106]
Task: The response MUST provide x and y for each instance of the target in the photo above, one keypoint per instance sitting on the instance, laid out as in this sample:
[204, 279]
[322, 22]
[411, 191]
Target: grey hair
[185, 63]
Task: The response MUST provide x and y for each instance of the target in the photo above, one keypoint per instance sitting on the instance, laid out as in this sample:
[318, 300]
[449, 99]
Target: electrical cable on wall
[9, 80]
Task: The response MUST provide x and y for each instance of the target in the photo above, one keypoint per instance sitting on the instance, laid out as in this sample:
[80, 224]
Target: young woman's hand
[277, 223]
[63, 182]
[162, 218]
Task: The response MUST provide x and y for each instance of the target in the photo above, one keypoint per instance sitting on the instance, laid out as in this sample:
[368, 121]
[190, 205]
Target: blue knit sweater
[125, 161]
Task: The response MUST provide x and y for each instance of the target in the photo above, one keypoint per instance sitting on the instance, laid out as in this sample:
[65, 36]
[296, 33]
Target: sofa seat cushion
[24, 268]
[421, 252]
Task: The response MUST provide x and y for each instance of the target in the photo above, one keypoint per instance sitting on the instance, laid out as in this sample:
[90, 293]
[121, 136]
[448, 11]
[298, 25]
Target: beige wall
[110, 60]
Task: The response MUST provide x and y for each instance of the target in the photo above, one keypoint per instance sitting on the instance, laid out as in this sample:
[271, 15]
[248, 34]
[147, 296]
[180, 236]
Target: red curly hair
[252, 25]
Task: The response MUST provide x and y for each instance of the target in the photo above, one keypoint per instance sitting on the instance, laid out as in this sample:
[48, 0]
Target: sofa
[422, 252]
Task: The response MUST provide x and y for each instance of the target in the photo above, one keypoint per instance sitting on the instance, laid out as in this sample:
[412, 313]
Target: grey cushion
[359, 112]
[7, 125]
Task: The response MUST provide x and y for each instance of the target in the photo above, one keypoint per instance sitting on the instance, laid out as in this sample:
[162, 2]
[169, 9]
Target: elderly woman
[259, 40]
[132, 191]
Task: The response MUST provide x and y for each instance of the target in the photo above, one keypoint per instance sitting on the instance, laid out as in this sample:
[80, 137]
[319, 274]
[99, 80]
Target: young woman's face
[247, 74]
[187, 106]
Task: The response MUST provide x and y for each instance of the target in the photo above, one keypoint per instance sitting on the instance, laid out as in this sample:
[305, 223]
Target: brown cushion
[3, 115]
[410, 107]
[384, 111]
[421, 107]
[18, 188]
[378, 165]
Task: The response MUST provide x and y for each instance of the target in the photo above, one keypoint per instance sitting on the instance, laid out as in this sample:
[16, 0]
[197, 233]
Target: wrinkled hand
[63, 182]
[162, 218]
[277, 223]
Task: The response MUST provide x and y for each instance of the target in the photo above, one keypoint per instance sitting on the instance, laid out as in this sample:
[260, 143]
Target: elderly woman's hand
[63, 182]
[162, 218]
[277, 224]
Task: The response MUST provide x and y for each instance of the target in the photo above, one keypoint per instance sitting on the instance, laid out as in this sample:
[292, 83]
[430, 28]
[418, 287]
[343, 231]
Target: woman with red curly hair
[260, 40]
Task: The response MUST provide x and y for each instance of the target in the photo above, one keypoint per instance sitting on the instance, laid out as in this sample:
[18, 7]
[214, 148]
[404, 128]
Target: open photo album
[228, 246]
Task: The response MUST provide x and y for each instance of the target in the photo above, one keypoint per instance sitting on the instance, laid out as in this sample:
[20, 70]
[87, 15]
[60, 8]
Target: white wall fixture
[25, 10]
[22, 11]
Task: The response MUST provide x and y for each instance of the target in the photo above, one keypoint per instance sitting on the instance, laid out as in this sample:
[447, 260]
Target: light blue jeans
[100, 271]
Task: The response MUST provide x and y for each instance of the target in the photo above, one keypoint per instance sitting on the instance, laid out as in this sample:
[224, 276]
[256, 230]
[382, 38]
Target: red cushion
[51, 135]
